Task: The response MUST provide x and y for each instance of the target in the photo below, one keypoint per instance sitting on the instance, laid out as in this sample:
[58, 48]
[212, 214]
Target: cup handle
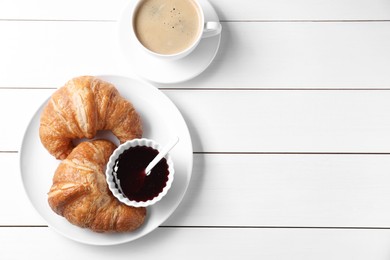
[211, 29]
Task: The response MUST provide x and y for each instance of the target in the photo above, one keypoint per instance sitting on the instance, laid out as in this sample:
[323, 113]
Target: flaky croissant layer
[80, 108]
[80, 192]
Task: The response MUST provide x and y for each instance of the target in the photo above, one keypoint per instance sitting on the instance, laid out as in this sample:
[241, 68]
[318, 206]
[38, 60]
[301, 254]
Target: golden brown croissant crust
[79, 109]
[80, 192]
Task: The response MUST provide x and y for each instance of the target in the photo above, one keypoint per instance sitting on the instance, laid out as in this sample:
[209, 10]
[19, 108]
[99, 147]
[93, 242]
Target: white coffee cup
[205, 29]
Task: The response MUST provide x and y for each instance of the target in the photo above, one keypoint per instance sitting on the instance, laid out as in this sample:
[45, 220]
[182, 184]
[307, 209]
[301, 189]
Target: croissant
[80, 192]
[79, 109]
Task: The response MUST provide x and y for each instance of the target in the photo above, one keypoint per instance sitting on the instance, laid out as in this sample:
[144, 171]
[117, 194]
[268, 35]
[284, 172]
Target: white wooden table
[290, 126]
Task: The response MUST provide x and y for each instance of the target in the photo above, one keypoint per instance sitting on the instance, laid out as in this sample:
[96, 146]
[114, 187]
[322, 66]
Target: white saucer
[163, 71]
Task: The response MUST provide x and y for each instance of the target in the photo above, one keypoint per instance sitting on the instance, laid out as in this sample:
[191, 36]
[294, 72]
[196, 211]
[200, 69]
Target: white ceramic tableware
[207, 29]
[161, 120]
[165, 71]
[114, 183]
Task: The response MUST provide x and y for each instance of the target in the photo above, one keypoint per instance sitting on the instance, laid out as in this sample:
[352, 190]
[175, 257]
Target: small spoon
[161, 154]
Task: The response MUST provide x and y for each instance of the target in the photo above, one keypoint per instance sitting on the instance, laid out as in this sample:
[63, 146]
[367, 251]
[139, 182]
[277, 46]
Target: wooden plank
[258, 190]
[56, 52]
[61, 10]
[287, 190]
[252, 55]
[18, 107]
[17, 207]
[227, 10]
[286, 121]
[251, 120]
[173, 243]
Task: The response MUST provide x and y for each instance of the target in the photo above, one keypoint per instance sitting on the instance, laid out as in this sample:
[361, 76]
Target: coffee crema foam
[167, 26]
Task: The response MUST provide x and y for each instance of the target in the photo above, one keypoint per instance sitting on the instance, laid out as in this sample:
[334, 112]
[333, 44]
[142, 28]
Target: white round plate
[161, 121]
[164, 71]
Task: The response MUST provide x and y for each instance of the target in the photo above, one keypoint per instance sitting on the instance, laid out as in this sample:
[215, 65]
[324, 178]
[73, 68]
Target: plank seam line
[298, 153]
[226, 89]
[23, 226]
[53, 20]
[234, 227]
[268, 153]
[277, 89]
[26, 88]
[306, 20]
[221, 20]
[279, 227]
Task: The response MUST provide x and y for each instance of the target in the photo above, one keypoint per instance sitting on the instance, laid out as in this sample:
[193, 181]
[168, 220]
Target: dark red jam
[130, 171]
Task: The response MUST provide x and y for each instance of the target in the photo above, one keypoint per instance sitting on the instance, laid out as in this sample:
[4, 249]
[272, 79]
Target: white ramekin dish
[111, 179]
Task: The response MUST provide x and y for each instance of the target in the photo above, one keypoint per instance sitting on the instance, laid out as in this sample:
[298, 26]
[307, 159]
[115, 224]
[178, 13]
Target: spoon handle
[161, 154]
